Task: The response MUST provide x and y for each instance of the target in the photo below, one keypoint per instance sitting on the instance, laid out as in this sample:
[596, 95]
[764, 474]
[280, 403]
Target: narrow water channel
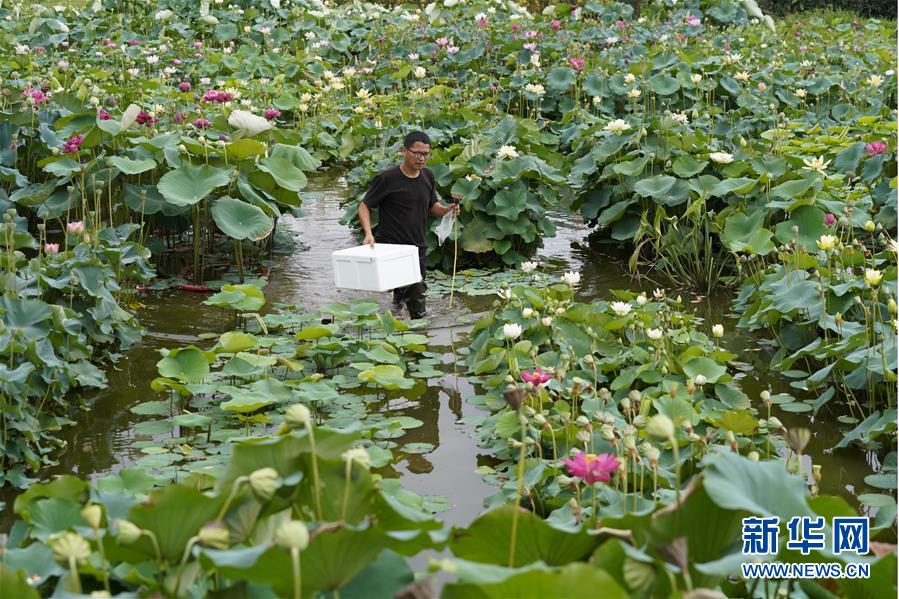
[102, 441]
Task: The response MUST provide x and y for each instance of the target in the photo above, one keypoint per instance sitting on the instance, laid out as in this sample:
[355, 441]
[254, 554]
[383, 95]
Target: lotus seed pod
[298, 415]
[69, 545]
[292, 534]
[264, 482]
[215, 535]
[127, 532]
[608, 432]
[92, 514]
[358, 455]
[582, 421]
[583, 436]
[661, 426]
[775, 423]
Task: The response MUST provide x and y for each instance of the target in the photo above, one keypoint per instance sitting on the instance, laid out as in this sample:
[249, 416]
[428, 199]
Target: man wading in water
[404, 195]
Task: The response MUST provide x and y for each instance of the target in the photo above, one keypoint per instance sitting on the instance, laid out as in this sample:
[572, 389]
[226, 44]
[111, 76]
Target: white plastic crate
[386, 266]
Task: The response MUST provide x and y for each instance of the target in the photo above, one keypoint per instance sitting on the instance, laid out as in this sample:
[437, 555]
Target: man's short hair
[415, 136]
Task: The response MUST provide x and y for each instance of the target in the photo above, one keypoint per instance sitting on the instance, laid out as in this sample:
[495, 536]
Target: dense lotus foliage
[722, 149]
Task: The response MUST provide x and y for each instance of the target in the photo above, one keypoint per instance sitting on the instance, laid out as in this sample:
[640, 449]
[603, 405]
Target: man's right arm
[365, 219]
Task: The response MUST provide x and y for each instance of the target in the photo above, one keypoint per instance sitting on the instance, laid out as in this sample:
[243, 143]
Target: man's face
[417, 155]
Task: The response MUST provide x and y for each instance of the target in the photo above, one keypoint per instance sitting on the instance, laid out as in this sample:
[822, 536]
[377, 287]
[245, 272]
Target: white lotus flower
[826, 242]
[129, 116]
[152, 59]
[742, 76]
[815, 164]
[721, 157]
[873, 277]
[618, 126]
[535, 59]
[634, 93]
[875, 80]
[800, 93]
[718, 330]
[630, 78]
[527, 312]
[164, 15]
[507, 152]
[276, 4]
[419, 72]
[700, 380]
[620, 308]
[696, 78]
[654, 334]
[511, 330]
[528, 266]
[571, 278]
[248, 122]
[535, 88]
[547, 321]
[504, 294]
[210, 20]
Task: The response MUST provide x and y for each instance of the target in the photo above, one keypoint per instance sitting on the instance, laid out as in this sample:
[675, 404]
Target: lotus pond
[669, 305]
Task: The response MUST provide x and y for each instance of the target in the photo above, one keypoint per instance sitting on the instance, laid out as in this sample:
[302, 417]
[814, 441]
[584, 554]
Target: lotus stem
[190, 544]
[346, 489]
[73, 574]
[237, 482]
[297, 574]
[455, 260]
[518, 482]
[315, 479]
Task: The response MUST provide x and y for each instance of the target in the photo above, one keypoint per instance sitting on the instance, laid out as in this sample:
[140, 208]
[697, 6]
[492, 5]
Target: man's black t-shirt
[403, 205]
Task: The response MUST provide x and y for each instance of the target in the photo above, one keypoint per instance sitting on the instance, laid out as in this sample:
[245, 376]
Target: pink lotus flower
[515, 26]
[144, 118]
[576, 63]
[51, 248]
[132, 43]
[72, 144]
[214, 95]
[452, 50]
[482, 22]
[876, 148]
[620, 25]
[178, 117]
[201, 123]
[103, 115]
[184, 86]
[537, 377]
[271, 113]
[441, 41]
[591, 467]
[530, 46]
[829, 220]
[693, 20]
[38, 96]
[75, 227]
[555, 25]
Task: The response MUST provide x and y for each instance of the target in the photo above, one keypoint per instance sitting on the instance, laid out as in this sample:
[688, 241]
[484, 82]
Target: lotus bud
[766, 397]
[510, 379]
[634, 395]
[604, 393]
[626, 404]
[701, 380]
[816, 472]
[298, 416]
[652, 454]
[661, 426]
[93, 515]
[629, 443]
[127, 532]
[869, 226]
[182, 148]
[694, 438]
[608, 432]
[69, 545]
[540, 419]
[515, 443]
[292, 534]
[891, 306]
[215, 535]
[264, 482]
[358, 455]
[753, 455]
[589, 359]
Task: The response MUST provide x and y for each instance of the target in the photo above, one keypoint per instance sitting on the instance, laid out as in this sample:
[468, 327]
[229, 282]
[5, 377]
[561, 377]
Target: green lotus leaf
[236, 341]
[707, 367]
[809, 220]
[244, 297]
[654, 187]
[746, 233]
[130, 166]
[284, 172]
[240, 220]
[188, 184]
[187, 364]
